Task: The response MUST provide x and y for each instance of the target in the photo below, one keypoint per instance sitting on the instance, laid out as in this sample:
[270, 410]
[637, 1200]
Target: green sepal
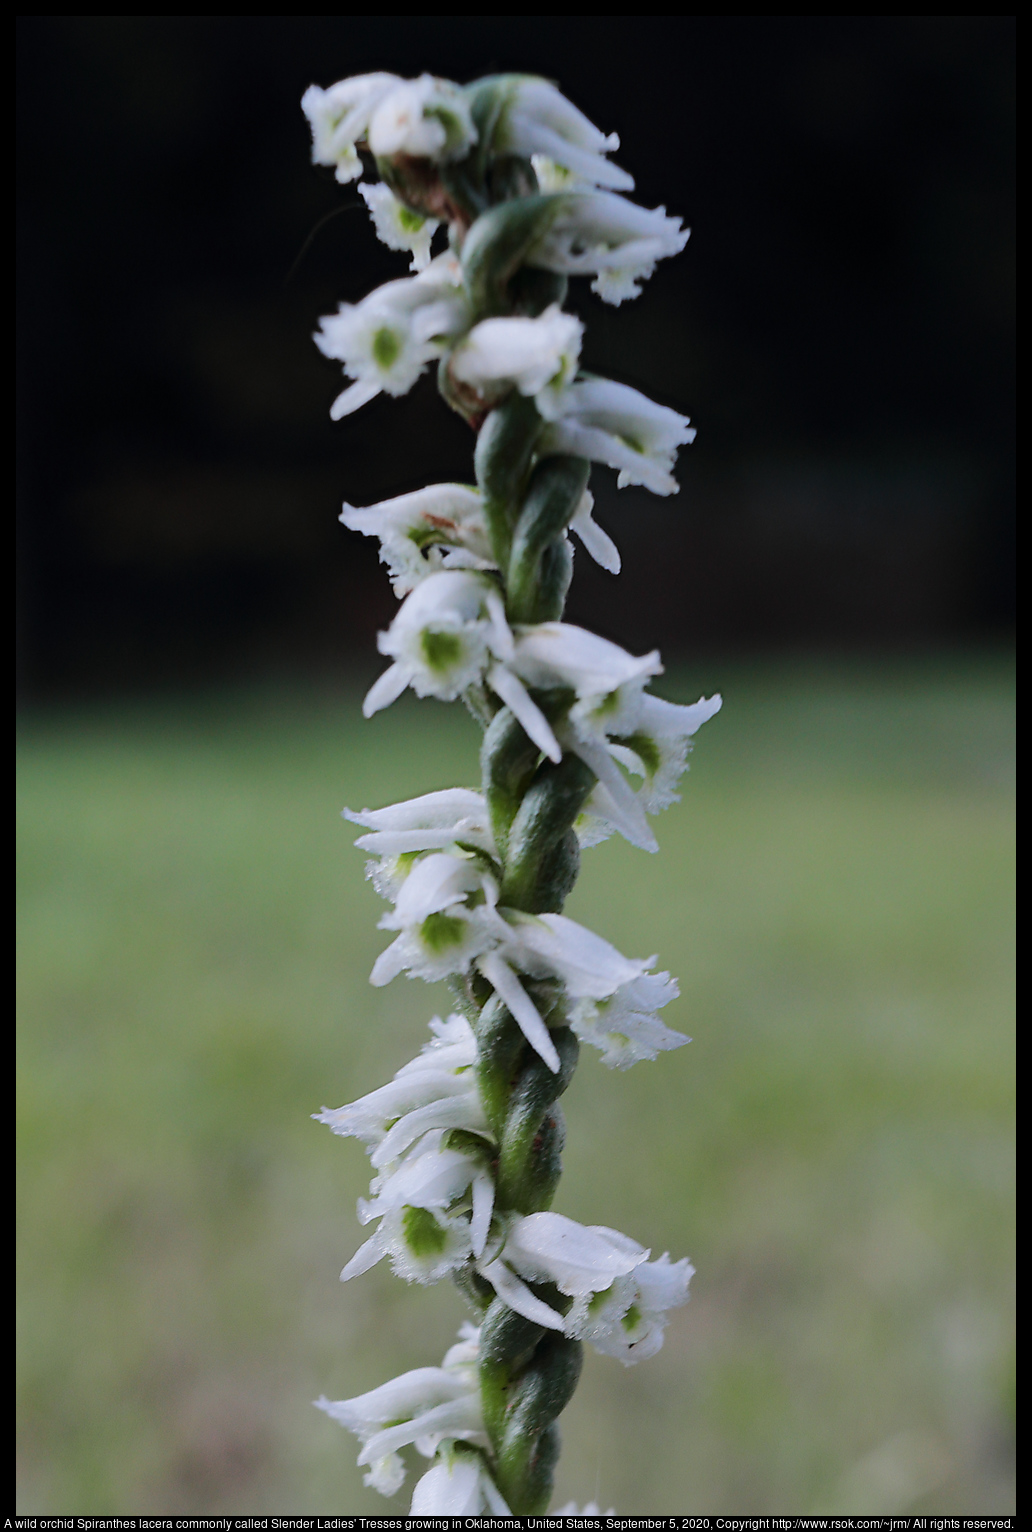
[473, 1145]
[470, 991]
[533, 877]
[555, 491]
[476, 1290]
[481, 703]
[498, 245]
[504, 455]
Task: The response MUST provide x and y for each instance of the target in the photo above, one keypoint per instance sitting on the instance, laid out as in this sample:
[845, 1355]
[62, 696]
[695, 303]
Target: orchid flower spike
[464, 1140]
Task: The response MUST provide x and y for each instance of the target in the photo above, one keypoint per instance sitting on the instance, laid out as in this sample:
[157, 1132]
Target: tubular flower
[553, 947]
[428, 118]
[627, 1321]
[537, 356]
[434, 1203]
[454, 819]
[445, 913]
[537, 119]
[580, 1261]
[610, 423]
[437, 1090]
[399, 226]
[624, 1025]
[339, 117]
[447, 633]
[387, 341]
[440, 527]
[620, 1297]
[424, 1408]
[600, 233]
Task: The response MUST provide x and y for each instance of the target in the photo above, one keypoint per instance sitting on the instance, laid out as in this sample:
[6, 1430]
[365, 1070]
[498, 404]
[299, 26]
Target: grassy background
[834, 1150]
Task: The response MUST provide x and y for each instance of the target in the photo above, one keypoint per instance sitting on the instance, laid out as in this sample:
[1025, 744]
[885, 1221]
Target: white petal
[459, 1111]
[519, 1297]
[387, 689]
[449, 1489]
[435, 883]
[595, 539]
[455, 1417]
[501, 634]
[483, 1206]
[631, 823]
[364, 1258]
[587, 963]
[390, 963]
[578, 1259]
[353, 398]
[513, 692]
[524, 1011]
[431, 1180]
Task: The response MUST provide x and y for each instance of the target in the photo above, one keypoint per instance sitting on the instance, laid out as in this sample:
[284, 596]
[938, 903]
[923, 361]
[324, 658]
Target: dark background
[839, 328]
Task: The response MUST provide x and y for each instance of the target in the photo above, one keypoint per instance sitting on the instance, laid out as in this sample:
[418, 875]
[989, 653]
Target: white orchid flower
[537, 119]
[607, 681]
[547, 1247]
[446, 634]
[459, 1484]
[434, 1204]
[613, 424]
[389, 339]
[445, 913]
[539, 356]
[454, 818]
[620, 1297]
[625, 1026]
[440, 527]
[426, 118]
[553, 947]
[601, 233]
[657, 746]
[608, 684]
[437, 1089]
[627, 1321]
[652, 741]
[423, 1407]
[340, 116]
[398, 226]
[556, 655]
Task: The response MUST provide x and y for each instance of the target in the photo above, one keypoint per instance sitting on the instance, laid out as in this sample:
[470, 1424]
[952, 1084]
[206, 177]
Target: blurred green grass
[834, 1150]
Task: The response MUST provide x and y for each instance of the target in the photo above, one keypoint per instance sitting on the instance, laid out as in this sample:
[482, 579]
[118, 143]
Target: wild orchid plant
[465, 1141]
